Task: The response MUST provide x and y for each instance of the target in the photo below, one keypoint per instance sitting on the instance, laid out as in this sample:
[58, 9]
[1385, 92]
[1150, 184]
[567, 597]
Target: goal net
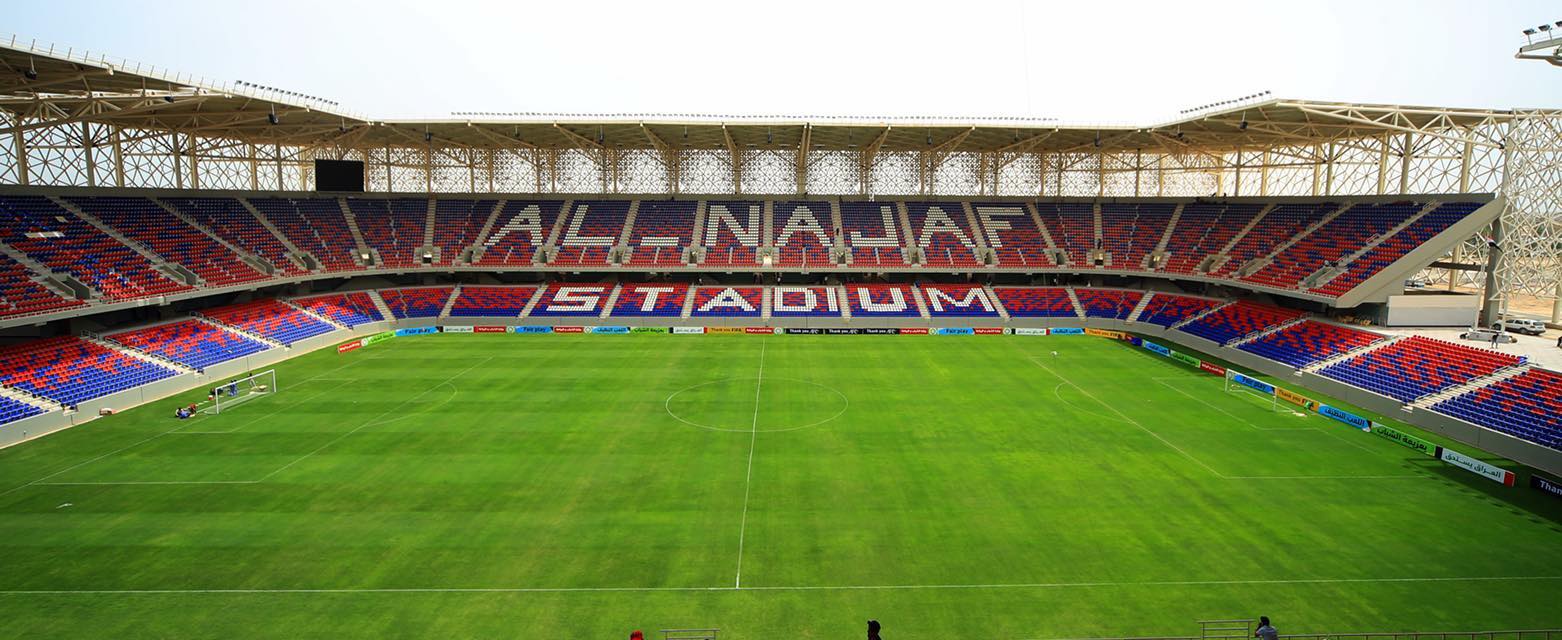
[1249, 386]
[230, 394]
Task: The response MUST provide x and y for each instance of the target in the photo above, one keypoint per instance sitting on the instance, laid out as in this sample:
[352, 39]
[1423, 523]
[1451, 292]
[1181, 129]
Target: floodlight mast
[1543, 43]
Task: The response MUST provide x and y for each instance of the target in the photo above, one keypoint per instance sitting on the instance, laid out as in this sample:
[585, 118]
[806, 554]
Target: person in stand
[1494, 338]
[233, 388]
[1265, 630]
[873, 630]
[636, 635]
[1559, 342]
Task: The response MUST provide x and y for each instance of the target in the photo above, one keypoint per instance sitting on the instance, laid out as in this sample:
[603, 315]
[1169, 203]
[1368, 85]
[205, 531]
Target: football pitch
[476, 486]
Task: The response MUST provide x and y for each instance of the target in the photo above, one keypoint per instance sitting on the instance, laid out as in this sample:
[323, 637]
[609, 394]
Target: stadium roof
[51, 87]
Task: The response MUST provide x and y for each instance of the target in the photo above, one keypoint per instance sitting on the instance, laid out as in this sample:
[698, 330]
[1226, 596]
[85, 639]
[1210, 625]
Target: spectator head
[1263, 621]
[636, 635]
[873, 626]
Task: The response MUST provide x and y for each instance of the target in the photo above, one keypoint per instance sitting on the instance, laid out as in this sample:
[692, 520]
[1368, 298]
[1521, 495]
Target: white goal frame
[230, 394]
[1236, 387]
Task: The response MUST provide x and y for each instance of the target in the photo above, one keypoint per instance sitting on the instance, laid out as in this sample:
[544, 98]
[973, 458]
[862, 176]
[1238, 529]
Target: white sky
[1094, 61]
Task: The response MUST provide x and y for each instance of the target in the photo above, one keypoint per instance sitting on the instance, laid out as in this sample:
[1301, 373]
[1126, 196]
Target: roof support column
[19, 137]
[1383, 164]
[1404, 163]
[119, 157]
[86, 150]
[1263, 175]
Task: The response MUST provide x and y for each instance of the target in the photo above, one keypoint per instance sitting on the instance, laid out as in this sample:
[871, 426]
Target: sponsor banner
[1066, 331]
[913, 331]
[723, 329]
[490, 329]
[417, 331]
[688, 330]
[1541, 483]
[954, 331]
[1390, 433]
[843, 332]
[531, 328]
[989, 331]
[804, 331]
[456, 328]
[557, 329]
[1254, 383]
[348, 346]
[609, 329]
[378, 337]
[881, 331]
[1212, 368]
[760, 330]
[1105, 333]
[1186, 359]
[1135, 341]
[1495, 474]
[1151, 346]
[1345, 417]
[1029, 331]
[649, 330]
[1296, 399]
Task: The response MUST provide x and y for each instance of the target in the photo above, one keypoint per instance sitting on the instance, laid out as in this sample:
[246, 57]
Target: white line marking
[862, 587]
[749, 476]
[1211, 405]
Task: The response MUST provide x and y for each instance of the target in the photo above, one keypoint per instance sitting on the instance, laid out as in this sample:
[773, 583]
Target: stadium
[273, 368]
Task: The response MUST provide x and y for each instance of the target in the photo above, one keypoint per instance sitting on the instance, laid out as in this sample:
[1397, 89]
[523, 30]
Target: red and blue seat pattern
[943, 232]
[1167, 309]
[958, 300]
[1396, 246]
[21, 295]
[392, 227]
[1130, 231]
[1239, 320]
[663, 229]
[12, 410]
[728, 302]
[1418, 366]
[456, 225]
[494, 302]
[1072, 226]
[882, 301]
[416, 302]
[351, 309]
[314, 225]
[1036, 302]
[804, 302]
[64, 242]
[1303, 344]
[1108, 303]
[1527, 406]
[270, 319]
[590, 232]
[190, 342]
[872, 231]
[69, 370]
[521, 228]
[803, 234]
[1341, 236]
[229, 220]
[651, 299]
[172, 239]
[1203, 229]
[1012, 234]
[568, 299]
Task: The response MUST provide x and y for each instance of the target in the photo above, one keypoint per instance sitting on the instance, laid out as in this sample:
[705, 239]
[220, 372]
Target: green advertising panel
[1185, 359]
[1405, 439]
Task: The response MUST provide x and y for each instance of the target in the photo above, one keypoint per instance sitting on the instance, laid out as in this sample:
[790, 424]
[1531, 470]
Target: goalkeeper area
[778, 486]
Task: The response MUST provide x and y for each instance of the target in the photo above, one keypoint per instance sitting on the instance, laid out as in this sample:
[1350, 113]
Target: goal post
[231, 393]
[1242, 383]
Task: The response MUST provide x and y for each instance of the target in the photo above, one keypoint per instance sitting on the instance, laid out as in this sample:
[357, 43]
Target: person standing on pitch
[1265, 630]
[873, 630]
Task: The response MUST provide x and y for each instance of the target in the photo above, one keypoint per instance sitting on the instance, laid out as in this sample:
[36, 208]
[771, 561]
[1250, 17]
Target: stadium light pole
[1543, 43]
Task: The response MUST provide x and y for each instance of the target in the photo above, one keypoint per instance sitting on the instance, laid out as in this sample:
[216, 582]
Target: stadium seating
[1013, 235]
[1036, 302]
[662, 230]
[419, 302]
[393, 227]
[1238, 320]
[590, 232]
[651, 299]
[958, 300]
[804, 302]
[228, 218]
[148, 223]
[13, 410]
[190, 342]
[270, 319]
[733, 234]
[1108, 303]
[521, 228]
[882, 301]
[872, 231]
[315, 225]
[1279, 225]
[1130, 231]
[351, 309]
[1167, 309]
[1072, 226]
[456, 225]
[1527, 406]
[943, 232]
[798, 227]
[1203, 229]
[64, 242]
[727, 302]
[21, 295]
[1396, 246]
[572, 299]
[1303, 344]
[1341, 236]
[1418, 366]
[496, 302]
[70, 370]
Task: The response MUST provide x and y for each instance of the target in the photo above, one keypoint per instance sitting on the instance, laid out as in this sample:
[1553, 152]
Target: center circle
[751, 404]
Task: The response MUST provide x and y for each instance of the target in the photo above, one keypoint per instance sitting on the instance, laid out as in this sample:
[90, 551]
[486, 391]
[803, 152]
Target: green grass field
[478, 486]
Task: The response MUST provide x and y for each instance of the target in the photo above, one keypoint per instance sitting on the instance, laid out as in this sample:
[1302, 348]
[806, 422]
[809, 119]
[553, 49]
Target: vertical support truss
[1530, 265]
